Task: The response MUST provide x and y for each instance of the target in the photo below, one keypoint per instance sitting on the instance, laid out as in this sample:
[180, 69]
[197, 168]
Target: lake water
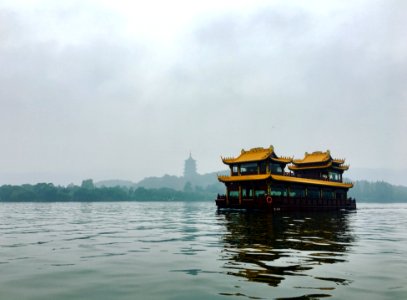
[179, 250]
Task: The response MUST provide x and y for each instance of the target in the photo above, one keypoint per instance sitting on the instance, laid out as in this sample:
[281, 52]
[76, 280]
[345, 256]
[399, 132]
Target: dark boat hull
[286, 204]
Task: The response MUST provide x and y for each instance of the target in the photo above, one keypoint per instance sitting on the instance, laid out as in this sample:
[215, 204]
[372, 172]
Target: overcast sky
[126, 89]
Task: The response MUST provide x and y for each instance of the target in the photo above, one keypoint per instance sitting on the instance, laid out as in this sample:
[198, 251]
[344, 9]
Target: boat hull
[286, 204]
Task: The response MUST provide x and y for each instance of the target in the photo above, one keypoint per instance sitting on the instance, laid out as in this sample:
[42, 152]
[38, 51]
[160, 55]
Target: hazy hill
[178, 183]
[392, 176]
[166, 181]
[379, 191]
[114, 183]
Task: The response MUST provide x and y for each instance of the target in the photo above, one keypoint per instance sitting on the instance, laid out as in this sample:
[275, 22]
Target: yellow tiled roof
[344, 168]
[243, 178]
[314, 157]
[311, 181]
[255, 154]
[285, 160]
[284, 178]
[301, 167]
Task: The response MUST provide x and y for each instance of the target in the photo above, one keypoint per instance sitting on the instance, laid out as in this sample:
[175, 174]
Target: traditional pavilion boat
[259, 180]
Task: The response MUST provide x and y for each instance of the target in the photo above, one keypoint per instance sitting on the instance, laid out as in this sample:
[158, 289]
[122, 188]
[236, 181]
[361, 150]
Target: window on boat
[313, 192]
[327, 194]
[278, 191]
[249, 168]
[334, 176]
[263, 167]
[247, 192]
[275, 168]
[308, 174]
[260, 193]
[297, 192]
[234, 194]
[234, 170]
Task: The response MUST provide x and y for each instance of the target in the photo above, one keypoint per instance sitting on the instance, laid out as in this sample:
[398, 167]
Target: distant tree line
[380, 192]
[363, 191]
[88, 192]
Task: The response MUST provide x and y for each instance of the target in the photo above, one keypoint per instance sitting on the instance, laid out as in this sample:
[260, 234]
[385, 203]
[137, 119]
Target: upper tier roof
[256, 154]
[314, 157]
[318, 157]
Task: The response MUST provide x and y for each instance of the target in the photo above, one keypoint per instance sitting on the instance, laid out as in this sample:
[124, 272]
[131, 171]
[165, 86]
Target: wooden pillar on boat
[227, 195]
[240, 195]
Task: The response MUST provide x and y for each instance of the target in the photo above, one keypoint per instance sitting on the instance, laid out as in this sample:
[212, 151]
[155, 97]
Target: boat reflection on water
[269, 248]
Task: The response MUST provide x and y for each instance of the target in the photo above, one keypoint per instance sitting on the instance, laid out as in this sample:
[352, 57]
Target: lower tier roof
[283, 178]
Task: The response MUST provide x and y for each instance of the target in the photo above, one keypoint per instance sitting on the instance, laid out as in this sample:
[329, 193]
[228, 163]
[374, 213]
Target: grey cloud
[110, 107]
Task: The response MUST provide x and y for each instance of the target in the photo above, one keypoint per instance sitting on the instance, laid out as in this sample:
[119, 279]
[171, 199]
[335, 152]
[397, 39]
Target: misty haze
[118, 90]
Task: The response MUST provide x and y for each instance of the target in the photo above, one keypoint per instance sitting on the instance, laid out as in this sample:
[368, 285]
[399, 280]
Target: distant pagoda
[190, 167]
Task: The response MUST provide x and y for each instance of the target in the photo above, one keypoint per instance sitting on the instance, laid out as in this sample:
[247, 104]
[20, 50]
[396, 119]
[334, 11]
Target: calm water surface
[161, 250]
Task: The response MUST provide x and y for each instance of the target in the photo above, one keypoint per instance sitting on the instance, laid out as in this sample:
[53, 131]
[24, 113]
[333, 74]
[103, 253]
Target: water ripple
[161, 250]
